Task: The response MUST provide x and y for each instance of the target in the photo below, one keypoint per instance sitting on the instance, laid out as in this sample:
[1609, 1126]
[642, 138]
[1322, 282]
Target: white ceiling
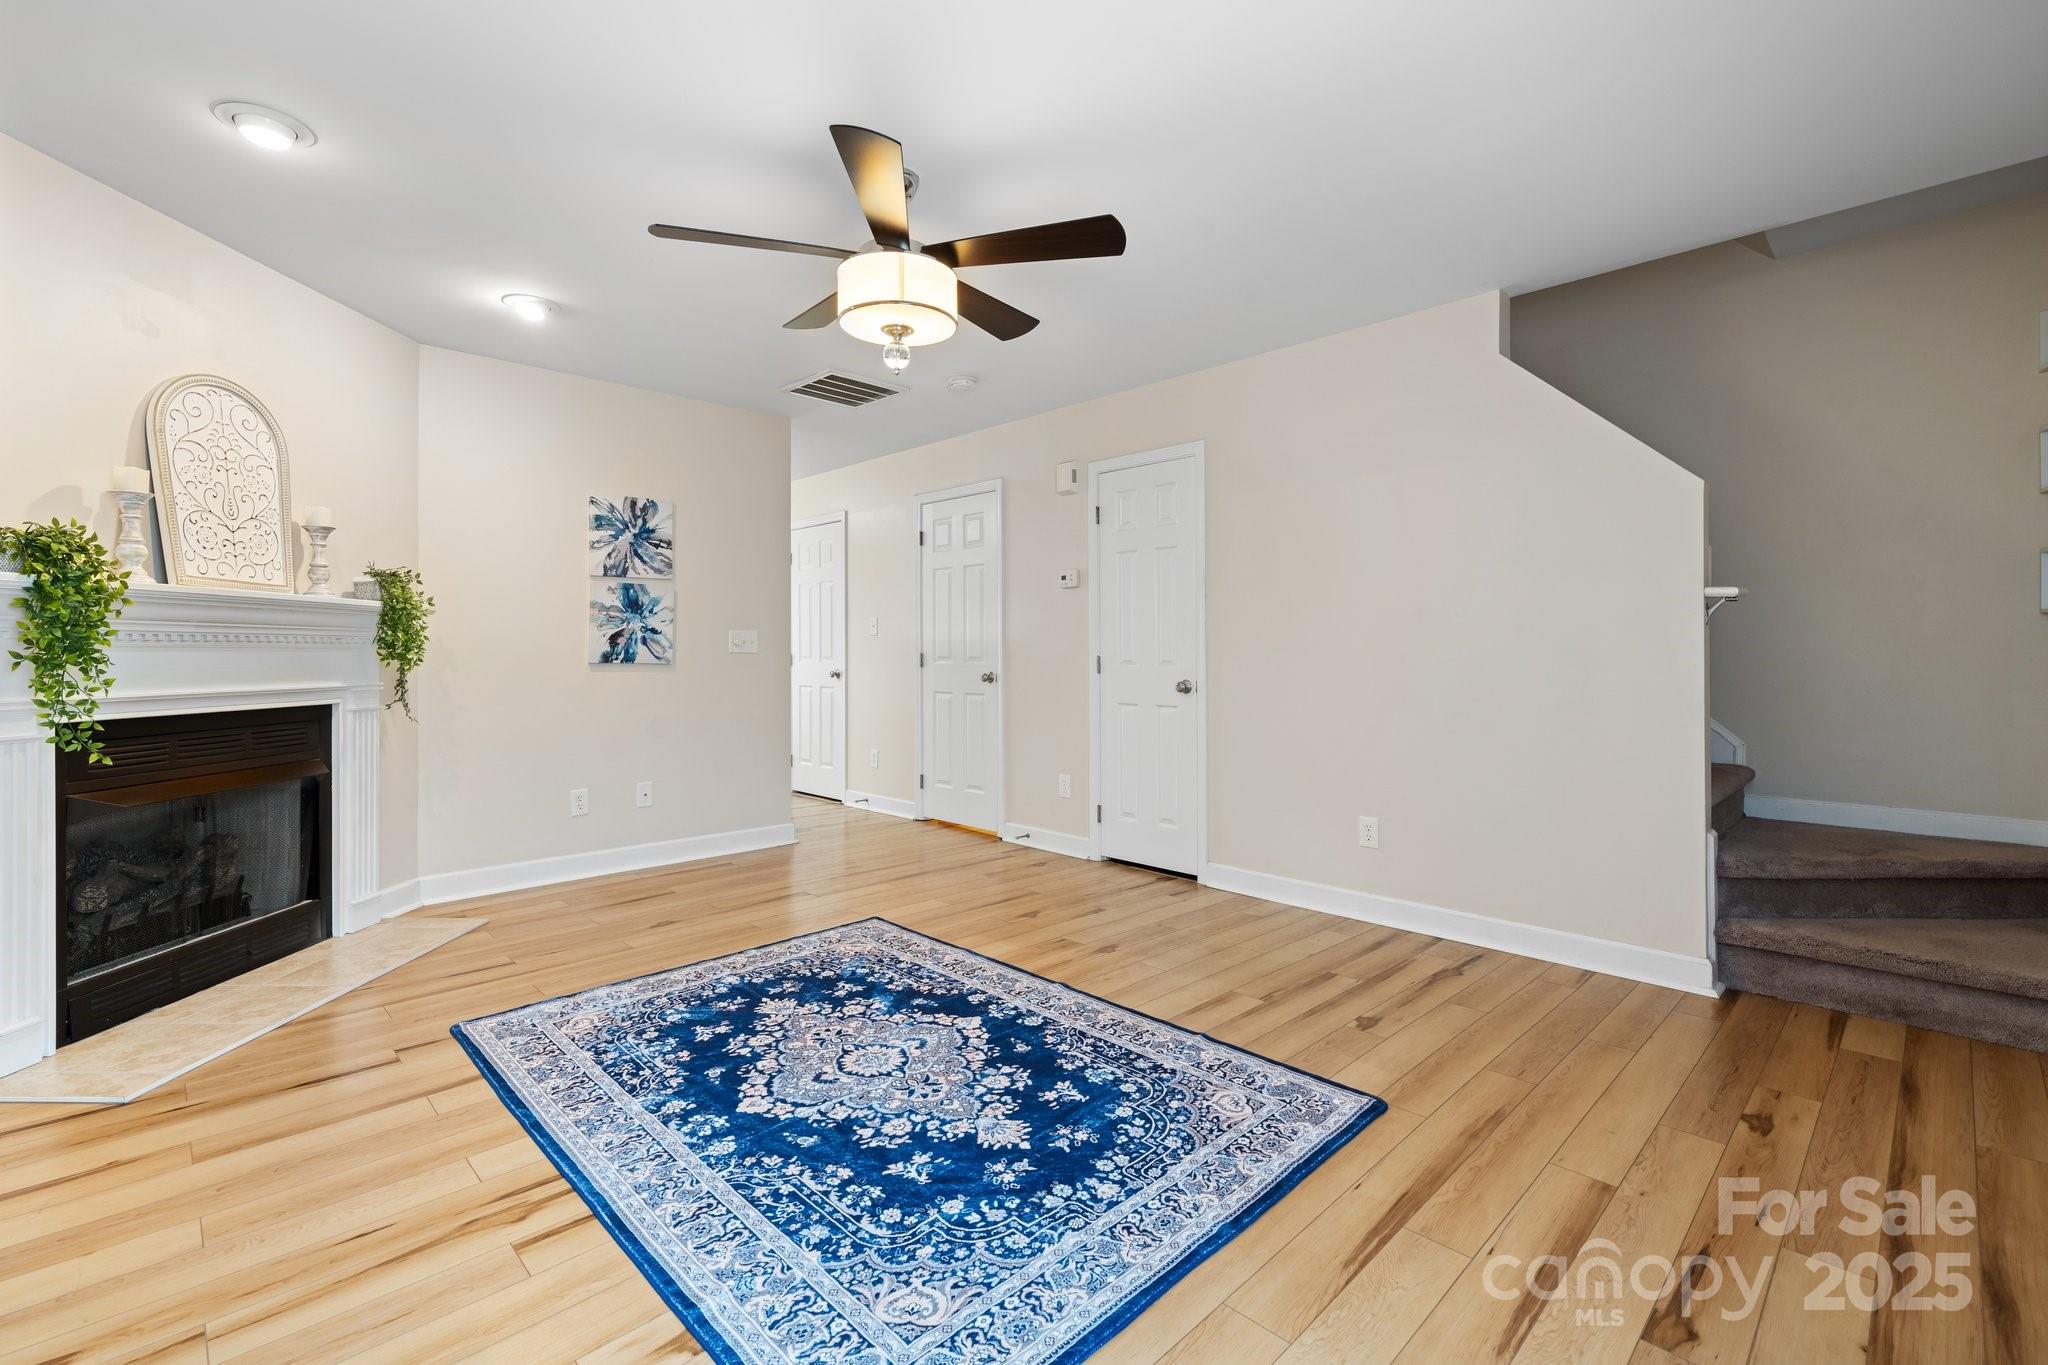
[1284, 170]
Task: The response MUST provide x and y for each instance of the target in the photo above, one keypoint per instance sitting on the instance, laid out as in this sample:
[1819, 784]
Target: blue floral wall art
[632, 538]
[631, 623]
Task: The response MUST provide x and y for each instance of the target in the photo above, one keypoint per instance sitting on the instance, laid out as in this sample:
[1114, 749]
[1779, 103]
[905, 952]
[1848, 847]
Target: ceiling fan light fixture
[883, 291]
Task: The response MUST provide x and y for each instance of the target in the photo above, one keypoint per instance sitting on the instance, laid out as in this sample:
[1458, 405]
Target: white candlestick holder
[318, 571]
[131, 546]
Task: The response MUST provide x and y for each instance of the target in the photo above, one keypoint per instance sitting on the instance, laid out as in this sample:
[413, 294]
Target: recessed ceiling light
[531, 307]
[267, 128]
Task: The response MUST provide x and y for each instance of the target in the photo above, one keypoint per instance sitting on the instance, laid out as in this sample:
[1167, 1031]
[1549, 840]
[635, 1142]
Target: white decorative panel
[1166, 504]
[974, 641]
[939, 761]
[28, 863]
[223, 486]
[974, 729]
[944, 614]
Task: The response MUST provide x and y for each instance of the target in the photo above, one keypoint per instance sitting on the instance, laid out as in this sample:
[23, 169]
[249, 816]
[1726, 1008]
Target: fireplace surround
[182, 653]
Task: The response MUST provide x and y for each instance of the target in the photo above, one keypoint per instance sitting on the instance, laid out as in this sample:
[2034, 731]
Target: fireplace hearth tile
[130, 1060]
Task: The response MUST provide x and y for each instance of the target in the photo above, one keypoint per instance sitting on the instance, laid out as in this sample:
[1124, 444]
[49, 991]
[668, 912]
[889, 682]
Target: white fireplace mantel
[181, 650]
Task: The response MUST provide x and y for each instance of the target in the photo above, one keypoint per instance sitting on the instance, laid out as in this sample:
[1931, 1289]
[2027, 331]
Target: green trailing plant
[401, 628]
[73, 595]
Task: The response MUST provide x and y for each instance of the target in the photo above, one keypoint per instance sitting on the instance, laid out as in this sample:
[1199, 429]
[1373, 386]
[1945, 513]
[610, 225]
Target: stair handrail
[1718, 598]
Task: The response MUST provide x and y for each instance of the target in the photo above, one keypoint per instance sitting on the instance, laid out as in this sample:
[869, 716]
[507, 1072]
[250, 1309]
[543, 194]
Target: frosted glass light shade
[878, 289]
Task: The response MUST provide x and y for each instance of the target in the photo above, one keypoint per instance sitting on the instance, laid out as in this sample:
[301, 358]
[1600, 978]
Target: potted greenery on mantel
[72, 594]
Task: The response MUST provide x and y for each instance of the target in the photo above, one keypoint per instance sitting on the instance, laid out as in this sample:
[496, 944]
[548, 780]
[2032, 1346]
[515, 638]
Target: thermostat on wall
[1070, 578]
[1066, 477]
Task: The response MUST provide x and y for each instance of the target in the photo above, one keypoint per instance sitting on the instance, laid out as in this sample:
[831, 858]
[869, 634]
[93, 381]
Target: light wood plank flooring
[346, 1187]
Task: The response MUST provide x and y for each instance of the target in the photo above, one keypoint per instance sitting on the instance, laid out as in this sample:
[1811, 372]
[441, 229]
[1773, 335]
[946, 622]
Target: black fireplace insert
[200, 853]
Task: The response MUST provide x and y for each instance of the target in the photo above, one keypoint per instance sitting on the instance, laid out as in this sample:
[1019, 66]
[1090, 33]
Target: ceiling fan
[899, 293]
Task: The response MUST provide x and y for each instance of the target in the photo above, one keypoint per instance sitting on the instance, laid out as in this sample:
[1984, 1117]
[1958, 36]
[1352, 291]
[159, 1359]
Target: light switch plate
[743, 642]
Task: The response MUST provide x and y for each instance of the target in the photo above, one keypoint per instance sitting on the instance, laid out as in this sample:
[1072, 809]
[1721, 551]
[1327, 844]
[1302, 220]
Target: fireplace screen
[197, 854]
[142, 878]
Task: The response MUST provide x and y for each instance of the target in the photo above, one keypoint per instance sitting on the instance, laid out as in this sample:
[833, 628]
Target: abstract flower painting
[630, 623]
[632, 538]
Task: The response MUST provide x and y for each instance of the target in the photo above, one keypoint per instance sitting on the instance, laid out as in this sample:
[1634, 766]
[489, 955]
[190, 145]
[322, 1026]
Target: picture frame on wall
[632, 537]
[632, 566]
[223, 486]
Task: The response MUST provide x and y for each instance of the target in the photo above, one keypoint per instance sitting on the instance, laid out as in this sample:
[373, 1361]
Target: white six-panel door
[960, 589]
[1148, 627]
[817, 666]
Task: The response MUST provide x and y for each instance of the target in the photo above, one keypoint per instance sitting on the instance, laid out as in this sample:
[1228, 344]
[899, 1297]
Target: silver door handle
[1184, 687]
[835, 672]
[988, 677]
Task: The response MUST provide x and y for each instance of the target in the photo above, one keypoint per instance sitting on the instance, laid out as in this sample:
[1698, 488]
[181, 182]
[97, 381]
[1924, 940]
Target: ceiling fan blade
[820, 314]
[683, 234]
[992, 315]
[1101, 235]
[874, 164]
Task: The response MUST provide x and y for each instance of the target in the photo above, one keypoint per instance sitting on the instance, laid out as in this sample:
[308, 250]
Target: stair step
[1726, 795]
[1970, 1011]
[1782, 869]
[2008, 956]
[1786, 850]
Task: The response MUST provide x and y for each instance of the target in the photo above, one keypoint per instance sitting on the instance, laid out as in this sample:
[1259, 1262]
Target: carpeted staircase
[1948, 934]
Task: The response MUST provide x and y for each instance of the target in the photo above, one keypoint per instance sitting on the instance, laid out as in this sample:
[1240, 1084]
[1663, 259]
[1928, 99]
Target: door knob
[1184, 687]
[988, 677]
[835, 672]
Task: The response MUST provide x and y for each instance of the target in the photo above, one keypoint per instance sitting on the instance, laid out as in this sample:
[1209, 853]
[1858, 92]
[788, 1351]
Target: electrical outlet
[1368, 831]
[579, 801]
[874, 758]
[1066, 784]
[643, 794]
[874, 625]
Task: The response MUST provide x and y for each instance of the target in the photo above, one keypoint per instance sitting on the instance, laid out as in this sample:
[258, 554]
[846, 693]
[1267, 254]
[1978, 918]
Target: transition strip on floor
[132, 1059]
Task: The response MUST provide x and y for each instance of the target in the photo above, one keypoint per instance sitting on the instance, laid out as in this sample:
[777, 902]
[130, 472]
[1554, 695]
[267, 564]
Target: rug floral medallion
[867, 1147]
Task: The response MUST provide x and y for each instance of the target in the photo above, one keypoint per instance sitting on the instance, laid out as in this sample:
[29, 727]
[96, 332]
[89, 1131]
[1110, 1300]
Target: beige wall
[1867, 419]
[511, 716]
[102, 299]
[473, 470]
[1439, 592]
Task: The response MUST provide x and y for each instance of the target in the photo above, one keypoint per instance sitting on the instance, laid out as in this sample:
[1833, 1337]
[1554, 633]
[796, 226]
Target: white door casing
[960, 644]
[1148, 727]
[817, 663]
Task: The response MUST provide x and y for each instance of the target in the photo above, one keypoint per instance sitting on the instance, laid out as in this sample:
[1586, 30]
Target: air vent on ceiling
[842, 389]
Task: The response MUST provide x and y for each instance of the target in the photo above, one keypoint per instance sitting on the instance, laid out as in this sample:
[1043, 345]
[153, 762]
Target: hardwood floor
[348, 1188]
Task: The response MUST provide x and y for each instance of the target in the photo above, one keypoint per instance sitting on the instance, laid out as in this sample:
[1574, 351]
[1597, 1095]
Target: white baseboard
[1654, 965]
[2000, 829]
[882, 805]
[392, 900]
[1051, 840]
[440, 887]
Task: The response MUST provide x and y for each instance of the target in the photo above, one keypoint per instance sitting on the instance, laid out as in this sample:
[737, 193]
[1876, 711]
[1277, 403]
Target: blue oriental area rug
[868, 1147]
